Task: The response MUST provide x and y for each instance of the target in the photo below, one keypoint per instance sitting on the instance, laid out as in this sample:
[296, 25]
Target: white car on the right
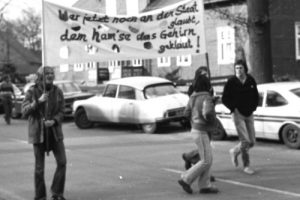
[277, 116]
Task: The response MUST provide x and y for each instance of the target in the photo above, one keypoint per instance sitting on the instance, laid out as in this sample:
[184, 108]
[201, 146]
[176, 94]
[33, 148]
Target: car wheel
[149, 128]
[81, 119]
[291, 136]
[219, 133]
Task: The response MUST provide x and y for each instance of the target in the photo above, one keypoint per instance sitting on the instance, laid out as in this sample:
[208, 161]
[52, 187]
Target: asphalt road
[122, 163]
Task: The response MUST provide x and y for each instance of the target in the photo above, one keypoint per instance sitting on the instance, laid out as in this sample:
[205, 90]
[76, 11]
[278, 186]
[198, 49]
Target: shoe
[186, 187]
[209, 190]
[7, 120]
[187, 163]
[55, 197]
[212, 179]
[248, 170]
[234, 158]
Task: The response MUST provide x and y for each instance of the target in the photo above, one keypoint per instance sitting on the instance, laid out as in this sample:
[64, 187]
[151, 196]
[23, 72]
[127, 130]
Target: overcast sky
[15, 6]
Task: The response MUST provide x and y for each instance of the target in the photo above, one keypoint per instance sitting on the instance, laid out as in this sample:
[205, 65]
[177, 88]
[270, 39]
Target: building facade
[285, 39]
[226, 40]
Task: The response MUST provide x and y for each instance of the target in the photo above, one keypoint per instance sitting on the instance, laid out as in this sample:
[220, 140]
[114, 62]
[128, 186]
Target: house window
[226, 45]
[132, 71]
[114, 63]
[297, 37]
[137, 62]
[78, 67]
[92, 65]
[64, 68]
[184, 61]
[164, 61]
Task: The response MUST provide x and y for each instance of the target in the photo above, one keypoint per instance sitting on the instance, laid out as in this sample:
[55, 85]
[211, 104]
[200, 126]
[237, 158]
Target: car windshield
[154, 91]
[296, 91]
[68, 87]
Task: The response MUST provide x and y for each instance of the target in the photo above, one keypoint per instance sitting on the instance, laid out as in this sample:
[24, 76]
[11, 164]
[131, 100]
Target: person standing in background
[7, 96]
[241, 97]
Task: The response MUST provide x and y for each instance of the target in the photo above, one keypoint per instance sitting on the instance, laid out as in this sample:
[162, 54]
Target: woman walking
[200, 111]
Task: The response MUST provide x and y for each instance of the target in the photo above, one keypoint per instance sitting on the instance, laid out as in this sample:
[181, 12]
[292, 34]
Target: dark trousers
[58, 183]
[7, 106]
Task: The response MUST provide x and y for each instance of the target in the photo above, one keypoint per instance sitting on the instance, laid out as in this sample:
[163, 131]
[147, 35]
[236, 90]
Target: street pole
[260, 57]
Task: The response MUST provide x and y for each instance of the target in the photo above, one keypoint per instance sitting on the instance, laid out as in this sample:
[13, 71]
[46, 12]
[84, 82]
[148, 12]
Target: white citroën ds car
[143, 100]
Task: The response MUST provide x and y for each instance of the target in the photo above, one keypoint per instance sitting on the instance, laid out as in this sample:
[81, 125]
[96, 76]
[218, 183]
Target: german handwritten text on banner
[75, 36]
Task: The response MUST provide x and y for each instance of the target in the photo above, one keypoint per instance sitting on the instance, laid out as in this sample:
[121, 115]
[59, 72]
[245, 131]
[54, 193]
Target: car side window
[126, 92]
[110, 91]
[275, 99]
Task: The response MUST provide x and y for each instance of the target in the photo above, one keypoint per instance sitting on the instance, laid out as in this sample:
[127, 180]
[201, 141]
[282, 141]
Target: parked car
[71, 93]
[277, 116]
[144, 100]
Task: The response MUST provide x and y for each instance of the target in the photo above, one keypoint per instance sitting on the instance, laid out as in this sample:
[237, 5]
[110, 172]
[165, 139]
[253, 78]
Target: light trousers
[246, 133]
[201, 170]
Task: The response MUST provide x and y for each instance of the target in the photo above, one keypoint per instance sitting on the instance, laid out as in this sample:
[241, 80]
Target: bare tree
[2, 7]
[252, 28]
[28, 29]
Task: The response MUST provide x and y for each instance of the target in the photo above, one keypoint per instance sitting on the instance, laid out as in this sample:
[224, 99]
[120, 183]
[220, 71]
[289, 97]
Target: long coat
[37, 112]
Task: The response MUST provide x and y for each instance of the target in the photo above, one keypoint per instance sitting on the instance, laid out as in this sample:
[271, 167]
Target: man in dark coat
[44, 107]
[241, 97]
[6, 95]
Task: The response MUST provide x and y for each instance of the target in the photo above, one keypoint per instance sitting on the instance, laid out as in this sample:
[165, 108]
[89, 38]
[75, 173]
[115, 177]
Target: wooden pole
[44, 81]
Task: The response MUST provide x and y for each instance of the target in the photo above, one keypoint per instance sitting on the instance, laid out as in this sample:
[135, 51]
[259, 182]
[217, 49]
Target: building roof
[27, 55]
[91, 5]
[157, 4]
[98, 5]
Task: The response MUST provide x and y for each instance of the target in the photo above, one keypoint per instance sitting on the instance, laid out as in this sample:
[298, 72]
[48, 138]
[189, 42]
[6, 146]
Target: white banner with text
[72, 35]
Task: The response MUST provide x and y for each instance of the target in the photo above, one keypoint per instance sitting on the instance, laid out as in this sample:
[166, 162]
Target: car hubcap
[292, 135]
[148, 126]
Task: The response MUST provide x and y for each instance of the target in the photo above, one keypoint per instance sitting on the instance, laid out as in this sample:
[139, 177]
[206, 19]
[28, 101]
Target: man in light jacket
[200, 111]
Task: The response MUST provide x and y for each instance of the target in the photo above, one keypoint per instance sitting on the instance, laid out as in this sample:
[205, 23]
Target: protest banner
[72, 35]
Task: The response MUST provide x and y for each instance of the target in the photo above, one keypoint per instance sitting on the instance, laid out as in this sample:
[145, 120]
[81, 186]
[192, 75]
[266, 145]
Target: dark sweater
[244, 97]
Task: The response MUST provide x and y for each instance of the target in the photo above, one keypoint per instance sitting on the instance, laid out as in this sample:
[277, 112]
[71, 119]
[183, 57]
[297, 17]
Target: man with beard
[43, 106]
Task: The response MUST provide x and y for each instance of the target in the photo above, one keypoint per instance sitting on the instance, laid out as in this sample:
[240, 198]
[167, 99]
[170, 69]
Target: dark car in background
[71, 91]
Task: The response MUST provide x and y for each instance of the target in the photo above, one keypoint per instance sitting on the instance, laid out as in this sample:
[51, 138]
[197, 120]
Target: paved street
[122, 163]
